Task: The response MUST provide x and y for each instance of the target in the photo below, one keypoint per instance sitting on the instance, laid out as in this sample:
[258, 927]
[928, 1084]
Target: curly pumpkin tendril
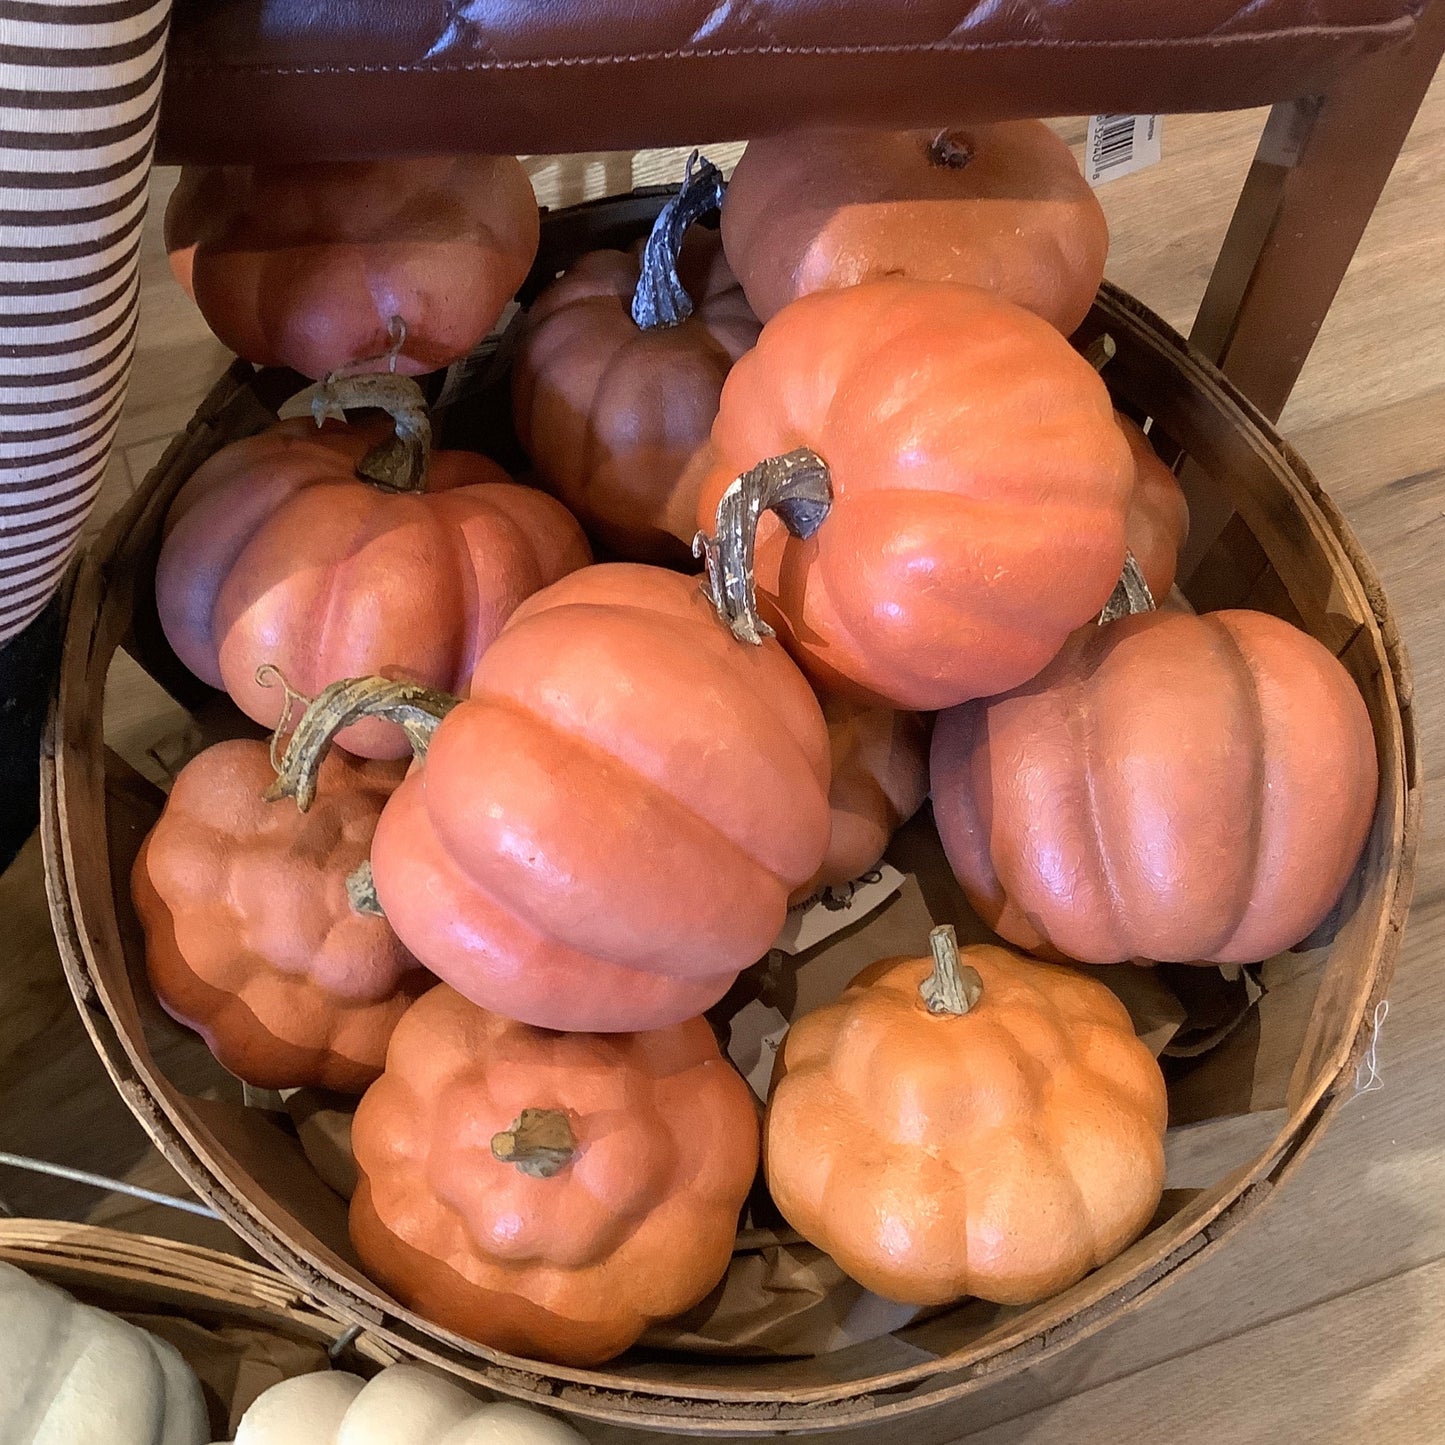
[269, 675]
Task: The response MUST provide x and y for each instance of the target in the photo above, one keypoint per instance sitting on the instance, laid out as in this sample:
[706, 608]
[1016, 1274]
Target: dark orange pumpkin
[1172, 787]
[608, 831]
[979, 489]
[1158, 519]
[998, 206]
[617, 380]
[252, 938]
[880, 779]
[318, 267]
[549, 1194]
[977, 1125]
[279, 552]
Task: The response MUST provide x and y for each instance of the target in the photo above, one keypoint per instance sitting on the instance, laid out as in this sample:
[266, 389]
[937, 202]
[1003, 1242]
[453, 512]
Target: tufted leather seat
[335, 79]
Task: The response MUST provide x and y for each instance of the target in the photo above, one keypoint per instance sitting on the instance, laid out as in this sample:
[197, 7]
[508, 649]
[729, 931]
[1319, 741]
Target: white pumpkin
[74, 1375]
[403, 1405]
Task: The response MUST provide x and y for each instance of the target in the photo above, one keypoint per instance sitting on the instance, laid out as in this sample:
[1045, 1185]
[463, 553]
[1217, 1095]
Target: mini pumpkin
[617, 379]
[252, 936]
[318, 267]
[979, 490]
[405, 1404]
[999, 206]
[76, 1375]
[880, 779]
[1172, 787]
[1158, 517]
[549, 1194]
[326, 556]
[608, 830]
[967, 1125]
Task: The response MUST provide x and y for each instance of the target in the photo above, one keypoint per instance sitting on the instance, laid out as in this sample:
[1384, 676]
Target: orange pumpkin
[1158, 517]
[1172, 787]
[549, 1194]
[278, 551]
[880, 779]
[998, 206]
[617, 379]
[318, 267]
[252, 938]
[1158, 520]
[979, 489]
[608, 831]
[988, 1126]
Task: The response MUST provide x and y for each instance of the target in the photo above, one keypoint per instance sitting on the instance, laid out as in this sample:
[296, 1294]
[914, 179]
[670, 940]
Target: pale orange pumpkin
[880, 780]
[396, 264]
[310, 552]
[1158, 517]
[618, 374]
[608, 830]
[549, 1194]
[999, 206]
[979, 489]
[252, 937]
[967, 1125]
[1172, 787]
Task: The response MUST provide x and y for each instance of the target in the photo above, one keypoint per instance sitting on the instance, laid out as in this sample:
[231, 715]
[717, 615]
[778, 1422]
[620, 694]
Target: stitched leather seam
[1337, 33]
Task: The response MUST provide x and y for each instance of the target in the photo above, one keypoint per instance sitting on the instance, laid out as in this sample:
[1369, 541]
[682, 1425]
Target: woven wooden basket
[240, 1326]
[1291, 1059]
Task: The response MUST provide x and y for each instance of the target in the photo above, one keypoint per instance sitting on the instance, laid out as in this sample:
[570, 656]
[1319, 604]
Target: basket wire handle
[102, 1181]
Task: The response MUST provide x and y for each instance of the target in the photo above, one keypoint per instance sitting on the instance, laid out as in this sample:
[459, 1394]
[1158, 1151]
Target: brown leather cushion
[332, 79]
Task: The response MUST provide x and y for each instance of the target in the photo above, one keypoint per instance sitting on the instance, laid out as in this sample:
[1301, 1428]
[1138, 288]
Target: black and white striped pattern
[80, 84]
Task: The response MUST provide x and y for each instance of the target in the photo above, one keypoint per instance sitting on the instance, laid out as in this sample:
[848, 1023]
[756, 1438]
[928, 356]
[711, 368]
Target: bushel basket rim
[170, 1275]
[1153, 365]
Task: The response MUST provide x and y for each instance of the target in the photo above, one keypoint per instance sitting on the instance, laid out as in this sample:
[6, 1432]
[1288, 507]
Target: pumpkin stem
[944, 150]
[416, 709]
[1101, 351]
[952, 988]
[540, 1143]
[1131, 593]
[399, 463]
[798, 487]
[660, 299]
[361, 891]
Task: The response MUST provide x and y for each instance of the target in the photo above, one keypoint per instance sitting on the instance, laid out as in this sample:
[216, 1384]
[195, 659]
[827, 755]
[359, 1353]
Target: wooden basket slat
[139, 1273]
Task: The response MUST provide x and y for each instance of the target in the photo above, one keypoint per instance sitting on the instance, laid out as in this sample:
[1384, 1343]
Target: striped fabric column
[79, 91]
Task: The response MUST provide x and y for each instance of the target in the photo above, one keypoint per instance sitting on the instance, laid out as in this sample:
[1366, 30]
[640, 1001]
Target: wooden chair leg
[1317, 175]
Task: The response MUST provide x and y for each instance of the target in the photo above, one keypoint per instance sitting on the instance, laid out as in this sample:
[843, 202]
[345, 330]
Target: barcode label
[1119, 145]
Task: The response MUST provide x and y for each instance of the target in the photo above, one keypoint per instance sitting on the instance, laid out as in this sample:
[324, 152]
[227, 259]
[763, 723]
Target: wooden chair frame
[1317, 175]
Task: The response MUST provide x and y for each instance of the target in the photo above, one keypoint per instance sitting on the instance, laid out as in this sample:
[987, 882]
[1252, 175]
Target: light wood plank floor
[1321, 1323]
